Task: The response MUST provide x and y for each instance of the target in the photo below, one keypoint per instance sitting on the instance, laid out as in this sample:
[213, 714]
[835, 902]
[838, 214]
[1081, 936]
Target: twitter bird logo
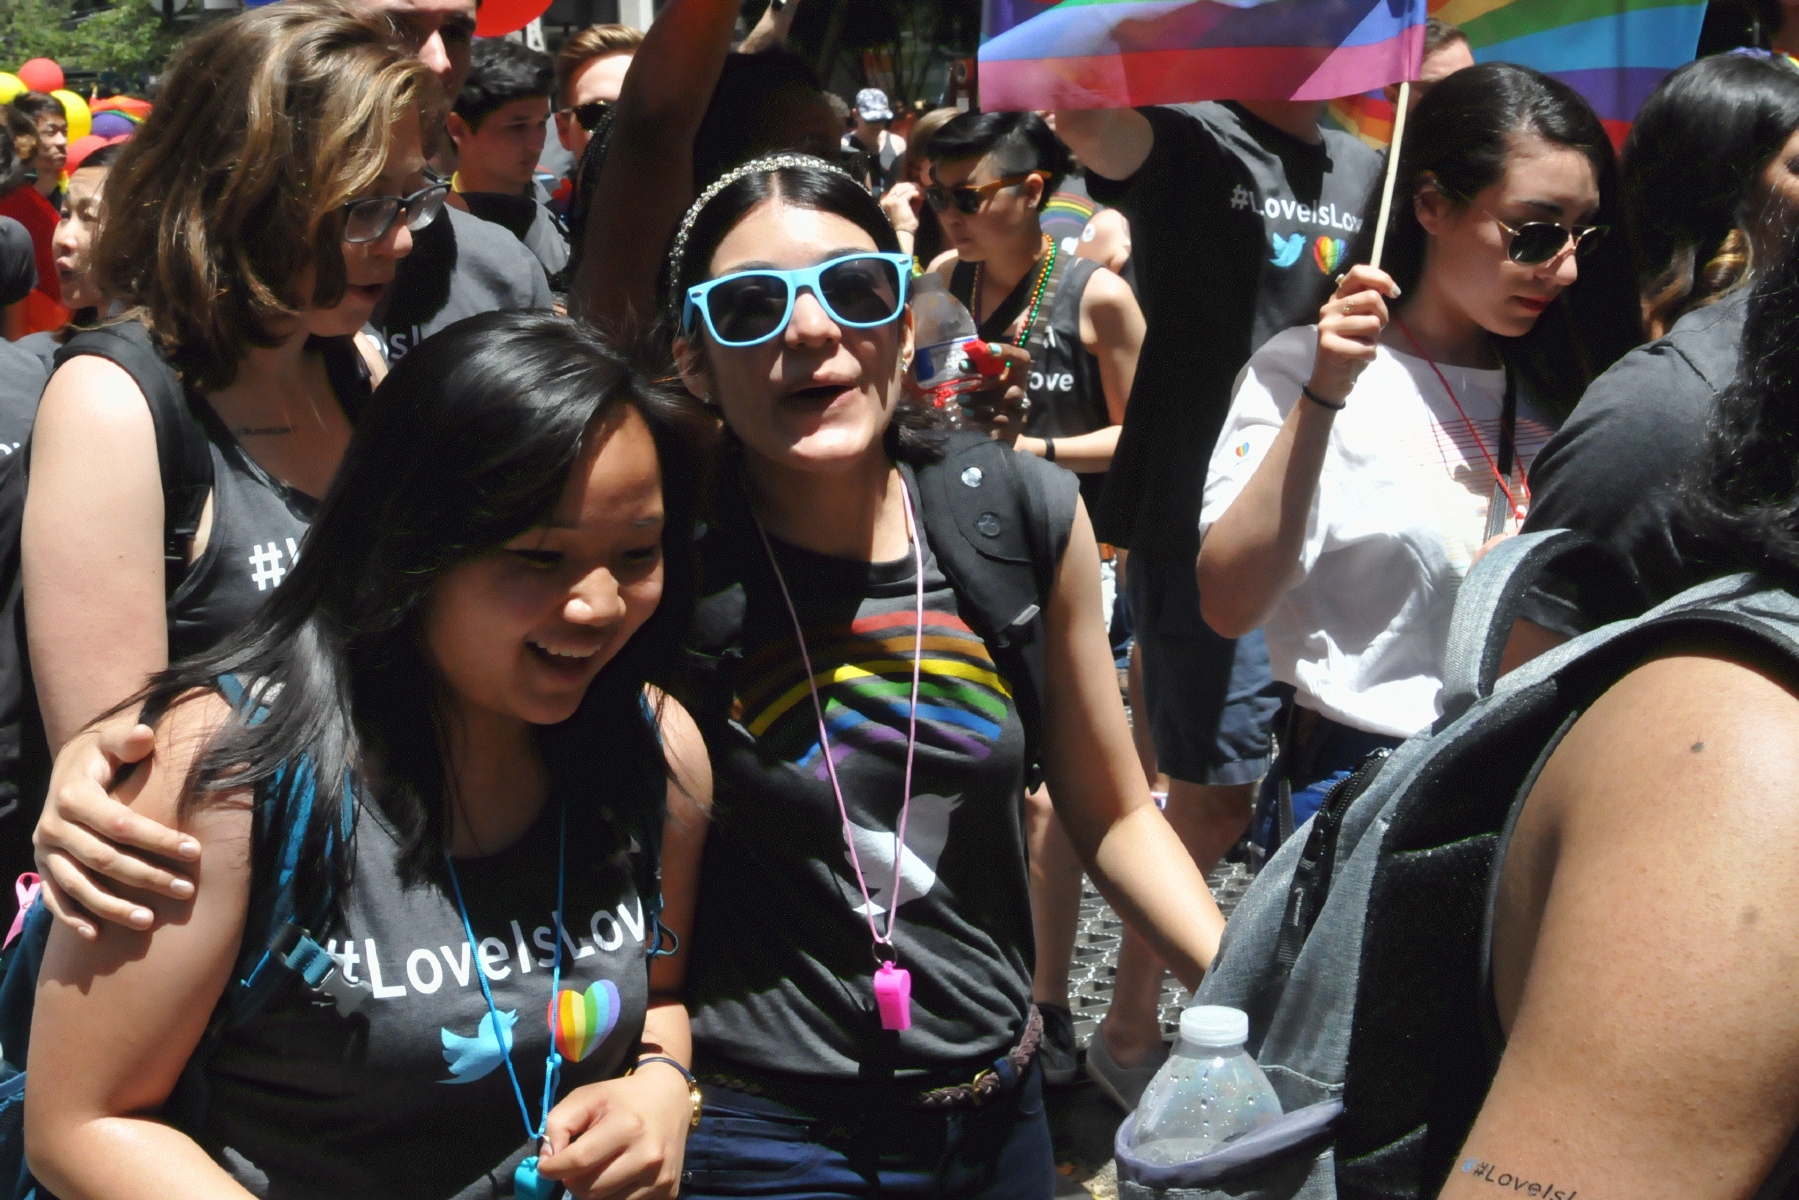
[1287, 249]
[473, 1058]
[927, 832]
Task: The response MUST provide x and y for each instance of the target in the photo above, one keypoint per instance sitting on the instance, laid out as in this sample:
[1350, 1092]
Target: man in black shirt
[1241, 215]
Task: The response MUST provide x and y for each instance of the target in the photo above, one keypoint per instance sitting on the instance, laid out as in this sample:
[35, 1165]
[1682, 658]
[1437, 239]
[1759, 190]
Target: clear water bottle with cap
[942, 329]
[1208, 1093]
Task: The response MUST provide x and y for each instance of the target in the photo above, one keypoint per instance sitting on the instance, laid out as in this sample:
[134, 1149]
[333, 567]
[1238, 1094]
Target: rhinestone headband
[771, 162]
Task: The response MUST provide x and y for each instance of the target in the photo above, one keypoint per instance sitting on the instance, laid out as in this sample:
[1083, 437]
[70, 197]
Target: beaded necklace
[1049, 264]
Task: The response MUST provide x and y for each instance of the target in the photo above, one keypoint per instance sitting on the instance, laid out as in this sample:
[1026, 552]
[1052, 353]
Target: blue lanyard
[552, 1063]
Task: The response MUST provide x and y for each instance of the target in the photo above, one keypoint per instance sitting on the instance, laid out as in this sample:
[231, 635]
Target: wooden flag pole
[1386, 192]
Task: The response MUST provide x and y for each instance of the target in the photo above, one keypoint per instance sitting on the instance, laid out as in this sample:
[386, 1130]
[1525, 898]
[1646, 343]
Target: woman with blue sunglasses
[859, 970]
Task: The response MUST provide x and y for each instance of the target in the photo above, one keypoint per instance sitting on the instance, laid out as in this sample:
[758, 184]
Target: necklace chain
[1049, 264]
[824, 737]
[1473, 430]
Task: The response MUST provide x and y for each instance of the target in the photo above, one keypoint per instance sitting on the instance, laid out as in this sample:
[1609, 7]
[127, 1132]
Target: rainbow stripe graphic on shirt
[864, 677]
[583, 1019]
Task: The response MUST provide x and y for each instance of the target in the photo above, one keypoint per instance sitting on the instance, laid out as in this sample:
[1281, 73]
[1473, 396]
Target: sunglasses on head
[588, 116]
[969, 200]
[1536, 242]
[372, 217]
[747, 308]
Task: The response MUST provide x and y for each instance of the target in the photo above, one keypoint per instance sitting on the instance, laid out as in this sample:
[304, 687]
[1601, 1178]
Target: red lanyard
[1474, 431]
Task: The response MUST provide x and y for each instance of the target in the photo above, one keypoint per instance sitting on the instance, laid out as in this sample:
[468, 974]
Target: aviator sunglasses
[968, 200]
[1536, 242]
[370, 218]
[588, 116]
[746, 308]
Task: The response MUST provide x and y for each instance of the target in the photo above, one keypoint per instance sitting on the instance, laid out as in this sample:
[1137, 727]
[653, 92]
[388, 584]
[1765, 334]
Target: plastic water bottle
[1209, 1092]
[942, 328]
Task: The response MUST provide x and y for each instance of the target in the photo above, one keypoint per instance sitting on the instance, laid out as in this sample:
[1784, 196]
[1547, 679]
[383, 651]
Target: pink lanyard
[893, 987]
[1473, 430]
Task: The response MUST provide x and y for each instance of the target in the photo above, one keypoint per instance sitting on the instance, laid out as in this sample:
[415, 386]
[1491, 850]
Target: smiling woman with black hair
[446, 699]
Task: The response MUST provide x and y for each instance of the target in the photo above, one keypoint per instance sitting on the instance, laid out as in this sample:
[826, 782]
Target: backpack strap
[1488, 604]
[183, 455]
[999, 523]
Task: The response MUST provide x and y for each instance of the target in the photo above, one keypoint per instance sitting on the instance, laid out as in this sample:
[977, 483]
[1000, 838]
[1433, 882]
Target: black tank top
[257, 521]
[1067, 397]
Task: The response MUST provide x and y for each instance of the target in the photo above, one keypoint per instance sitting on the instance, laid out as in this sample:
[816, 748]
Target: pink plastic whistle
[893, 996]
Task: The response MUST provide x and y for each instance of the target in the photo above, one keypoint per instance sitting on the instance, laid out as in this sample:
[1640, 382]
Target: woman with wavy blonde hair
[252, 226]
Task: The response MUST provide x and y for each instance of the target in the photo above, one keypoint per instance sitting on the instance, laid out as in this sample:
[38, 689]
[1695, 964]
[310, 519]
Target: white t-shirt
[1399, 513]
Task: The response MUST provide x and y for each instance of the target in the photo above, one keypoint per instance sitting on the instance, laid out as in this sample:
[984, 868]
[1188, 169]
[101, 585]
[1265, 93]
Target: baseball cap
[871, 105]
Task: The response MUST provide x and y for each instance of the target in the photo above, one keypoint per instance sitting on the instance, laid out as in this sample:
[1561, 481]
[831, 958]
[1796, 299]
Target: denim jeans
[817, 1149]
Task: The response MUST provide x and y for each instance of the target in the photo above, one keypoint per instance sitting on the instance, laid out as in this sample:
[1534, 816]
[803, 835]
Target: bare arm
[1110, 142]
[12, 321]
[1643, 947]
[1097, 784]
[1112, 331]
[773, 28]
[647, 180]
[608, 1138]
[91, 546]
[96, 1080]
[1107, 240]
[1248, 556]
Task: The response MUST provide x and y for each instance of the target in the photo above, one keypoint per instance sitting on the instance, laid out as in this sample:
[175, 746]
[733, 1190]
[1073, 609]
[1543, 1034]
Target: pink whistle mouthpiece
[893, 996]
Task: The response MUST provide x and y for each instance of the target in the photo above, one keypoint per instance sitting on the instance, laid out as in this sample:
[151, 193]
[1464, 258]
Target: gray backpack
[1360, 951]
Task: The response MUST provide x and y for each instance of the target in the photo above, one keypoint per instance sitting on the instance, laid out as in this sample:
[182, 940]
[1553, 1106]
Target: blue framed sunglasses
[747, 308]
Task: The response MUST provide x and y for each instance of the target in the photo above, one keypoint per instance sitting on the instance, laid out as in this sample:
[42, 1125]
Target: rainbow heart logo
[1327, 252]
[583, 1019]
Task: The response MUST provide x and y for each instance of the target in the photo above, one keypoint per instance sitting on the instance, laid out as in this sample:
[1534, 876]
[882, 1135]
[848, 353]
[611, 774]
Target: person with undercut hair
[498, 124]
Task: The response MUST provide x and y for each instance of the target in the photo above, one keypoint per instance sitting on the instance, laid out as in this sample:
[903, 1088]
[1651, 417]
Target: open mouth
[563, 660]
[823, 393]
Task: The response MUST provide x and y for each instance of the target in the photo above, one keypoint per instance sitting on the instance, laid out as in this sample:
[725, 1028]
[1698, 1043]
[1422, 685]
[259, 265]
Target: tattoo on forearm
[1515, 1183]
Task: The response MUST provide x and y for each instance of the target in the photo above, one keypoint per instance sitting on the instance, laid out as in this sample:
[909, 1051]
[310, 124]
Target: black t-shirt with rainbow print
[781, 975]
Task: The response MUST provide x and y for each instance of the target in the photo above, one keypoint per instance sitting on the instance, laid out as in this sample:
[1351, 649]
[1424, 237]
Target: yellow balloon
[11, 87]
[81, 121]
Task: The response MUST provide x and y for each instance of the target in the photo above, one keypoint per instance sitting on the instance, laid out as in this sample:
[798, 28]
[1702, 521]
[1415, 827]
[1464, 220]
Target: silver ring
[1024, 405]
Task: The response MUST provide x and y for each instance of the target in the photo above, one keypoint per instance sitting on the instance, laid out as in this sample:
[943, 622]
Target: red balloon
[497, 17]
[41, 75]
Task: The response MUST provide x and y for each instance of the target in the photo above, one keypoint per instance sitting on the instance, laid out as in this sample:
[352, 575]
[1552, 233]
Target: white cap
[1214, 1025]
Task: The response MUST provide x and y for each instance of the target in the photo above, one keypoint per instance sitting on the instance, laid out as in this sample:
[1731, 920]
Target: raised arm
[1643, 959]
[1248, 557]
[116, 1019]
[646, 182]
[1097, 783]
[92, 546]
[1111, 142]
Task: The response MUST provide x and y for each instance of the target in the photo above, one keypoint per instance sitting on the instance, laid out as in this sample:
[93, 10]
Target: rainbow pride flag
[1613, 52]
[1117, 53]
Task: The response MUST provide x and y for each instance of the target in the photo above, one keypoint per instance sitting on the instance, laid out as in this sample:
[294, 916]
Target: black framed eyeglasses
[588, 116]
[371, 218]
[1537, 242]
[968, 200]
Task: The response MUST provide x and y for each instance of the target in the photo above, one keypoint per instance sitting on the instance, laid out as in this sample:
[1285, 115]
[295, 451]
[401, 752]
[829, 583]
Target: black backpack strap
[183, 455]
[999, 523]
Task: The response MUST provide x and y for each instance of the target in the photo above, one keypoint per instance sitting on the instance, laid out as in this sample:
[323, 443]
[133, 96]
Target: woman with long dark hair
[1711, 176]
[1711, 187]
[446, 700]
[1366, 461]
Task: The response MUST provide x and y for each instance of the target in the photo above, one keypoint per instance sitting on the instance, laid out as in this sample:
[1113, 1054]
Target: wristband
[1049, 449]
[693, 1087]
[1306, 391]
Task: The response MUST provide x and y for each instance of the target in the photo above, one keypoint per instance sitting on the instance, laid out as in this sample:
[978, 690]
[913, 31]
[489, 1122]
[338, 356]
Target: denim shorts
[1212, 700]
[817, 1149]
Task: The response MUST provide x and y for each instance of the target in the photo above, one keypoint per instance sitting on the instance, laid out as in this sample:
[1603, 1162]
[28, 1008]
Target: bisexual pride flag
[1121, 53]
[1613, 52]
